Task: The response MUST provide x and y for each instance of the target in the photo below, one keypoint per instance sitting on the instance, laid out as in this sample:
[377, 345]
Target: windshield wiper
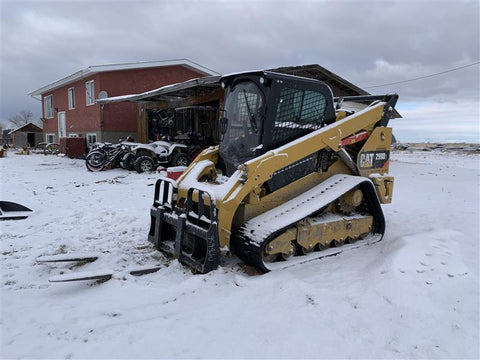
[250, 114]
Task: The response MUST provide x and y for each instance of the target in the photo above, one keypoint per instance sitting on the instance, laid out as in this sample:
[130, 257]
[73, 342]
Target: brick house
[69, 107]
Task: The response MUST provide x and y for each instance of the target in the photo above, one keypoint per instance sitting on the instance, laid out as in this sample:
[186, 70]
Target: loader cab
[264, 110]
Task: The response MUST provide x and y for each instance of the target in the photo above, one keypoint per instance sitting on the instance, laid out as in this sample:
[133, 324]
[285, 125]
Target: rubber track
[252, 237]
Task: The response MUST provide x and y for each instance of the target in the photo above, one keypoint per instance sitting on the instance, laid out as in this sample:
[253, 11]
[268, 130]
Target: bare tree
[22, 118]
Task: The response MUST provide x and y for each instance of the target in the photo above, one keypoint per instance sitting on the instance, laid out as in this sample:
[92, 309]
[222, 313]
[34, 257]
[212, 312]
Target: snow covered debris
[415, 294]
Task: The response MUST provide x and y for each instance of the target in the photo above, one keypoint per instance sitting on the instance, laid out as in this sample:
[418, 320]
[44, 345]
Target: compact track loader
[294, 173]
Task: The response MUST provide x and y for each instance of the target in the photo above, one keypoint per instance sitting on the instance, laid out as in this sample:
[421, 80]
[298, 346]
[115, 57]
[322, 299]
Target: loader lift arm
[390, 101]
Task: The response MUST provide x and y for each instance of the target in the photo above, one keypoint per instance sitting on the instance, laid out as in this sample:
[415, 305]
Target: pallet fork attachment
[189, 234]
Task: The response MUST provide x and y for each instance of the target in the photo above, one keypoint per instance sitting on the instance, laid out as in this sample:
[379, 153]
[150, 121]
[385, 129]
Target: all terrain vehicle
[147, 157]
[294, 173]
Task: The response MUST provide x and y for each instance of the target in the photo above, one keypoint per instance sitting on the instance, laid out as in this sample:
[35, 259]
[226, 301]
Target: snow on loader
[294, 173]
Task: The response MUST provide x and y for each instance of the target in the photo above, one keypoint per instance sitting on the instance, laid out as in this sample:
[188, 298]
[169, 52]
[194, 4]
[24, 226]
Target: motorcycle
[105, 155]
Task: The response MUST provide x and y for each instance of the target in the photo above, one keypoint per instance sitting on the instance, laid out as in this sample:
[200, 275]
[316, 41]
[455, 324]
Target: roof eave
[92, 70]
[24, 125]
[208, 80]
[65, 81]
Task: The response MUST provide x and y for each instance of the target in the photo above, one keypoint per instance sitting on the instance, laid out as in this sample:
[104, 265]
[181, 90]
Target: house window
[91, 138]
[90, 92]
[50, 138]
[71, 98]
[48, 106]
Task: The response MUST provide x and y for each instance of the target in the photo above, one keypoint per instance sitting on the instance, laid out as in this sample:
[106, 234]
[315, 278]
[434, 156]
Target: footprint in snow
[430, 254]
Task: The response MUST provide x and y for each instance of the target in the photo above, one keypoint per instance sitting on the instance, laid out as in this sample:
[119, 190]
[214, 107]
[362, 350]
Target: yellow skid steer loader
[294, 173]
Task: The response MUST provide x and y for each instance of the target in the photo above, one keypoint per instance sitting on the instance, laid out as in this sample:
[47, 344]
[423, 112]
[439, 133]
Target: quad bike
[147, 157]
[128, 158]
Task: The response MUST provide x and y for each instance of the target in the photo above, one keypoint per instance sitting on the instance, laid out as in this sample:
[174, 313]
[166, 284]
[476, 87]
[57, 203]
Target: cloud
[366, 42]
[459, 83]
[453, 121]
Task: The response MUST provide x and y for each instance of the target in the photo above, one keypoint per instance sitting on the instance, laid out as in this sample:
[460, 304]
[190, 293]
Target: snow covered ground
[413, 295]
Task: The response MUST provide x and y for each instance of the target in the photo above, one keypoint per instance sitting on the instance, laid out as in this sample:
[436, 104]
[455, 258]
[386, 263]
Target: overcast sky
[366, 42]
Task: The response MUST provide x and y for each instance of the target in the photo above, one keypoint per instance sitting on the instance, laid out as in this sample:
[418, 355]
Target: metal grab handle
[201, 204]
[165, 193]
